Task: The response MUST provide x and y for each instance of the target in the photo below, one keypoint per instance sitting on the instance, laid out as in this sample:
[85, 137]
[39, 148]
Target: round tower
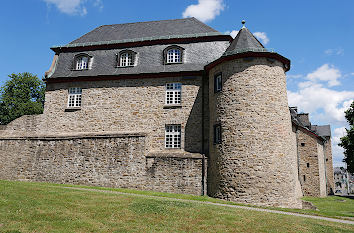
[252, 151]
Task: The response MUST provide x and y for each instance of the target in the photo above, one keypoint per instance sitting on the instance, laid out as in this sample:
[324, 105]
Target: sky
[317, 36]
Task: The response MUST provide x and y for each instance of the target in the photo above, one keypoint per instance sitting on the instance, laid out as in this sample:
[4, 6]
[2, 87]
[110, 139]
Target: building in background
[344, 181]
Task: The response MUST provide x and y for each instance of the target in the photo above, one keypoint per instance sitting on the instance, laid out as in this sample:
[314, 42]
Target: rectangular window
[217, 134]
[74, 98]
[308, 164]
[173, 93]
[217, 83]
[173, 136]
[304, 178]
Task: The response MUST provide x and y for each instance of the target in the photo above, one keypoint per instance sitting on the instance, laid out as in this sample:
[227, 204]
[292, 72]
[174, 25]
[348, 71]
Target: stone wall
[256, 161]
[128, 105]
[112, 160]
[311, 167]
[329, 166]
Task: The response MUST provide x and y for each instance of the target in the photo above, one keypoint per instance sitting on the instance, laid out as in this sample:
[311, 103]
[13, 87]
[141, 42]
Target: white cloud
[232, 33]
[326, 73]
[338, 51]
[262, 36]
[205, 10]
[337, 151]
[73, 7]
[326, 104]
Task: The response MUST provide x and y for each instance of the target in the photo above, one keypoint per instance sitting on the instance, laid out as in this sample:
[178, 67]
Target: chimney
[304, 119]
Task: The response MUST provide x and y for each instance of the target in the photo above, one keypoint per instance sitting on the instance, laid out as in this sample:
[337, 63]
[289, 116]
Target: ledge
[172, 106]
[175, 154]
[84, 135]
[72, 109]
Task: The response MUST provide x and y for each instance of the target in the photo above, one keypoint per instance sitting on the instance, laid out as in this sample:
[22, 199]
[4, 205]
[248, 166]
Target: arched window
[81, 62]
[126, 58]
[173, 54]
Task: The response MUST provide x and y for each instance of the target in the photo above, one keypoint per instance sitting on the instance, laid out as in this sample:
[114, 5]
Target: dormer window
[173, 55]
[126, 58]
[81, 62]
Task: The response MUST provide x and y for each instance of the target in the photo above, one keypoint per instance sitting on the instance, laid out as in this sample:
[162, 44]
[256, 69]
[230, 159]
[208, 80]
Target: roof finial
[243, 23]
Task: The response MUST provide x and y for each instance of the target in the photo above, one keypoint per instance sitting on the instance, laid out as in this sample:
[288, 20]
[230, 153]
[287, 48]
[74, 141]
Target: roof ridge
[148, 22]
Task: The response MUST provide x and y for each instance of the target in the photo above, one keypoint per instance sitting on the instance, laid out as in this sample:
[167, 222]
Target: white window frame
[174, 55]
[126, 59]
[82, 62]
[173, 136]
[173, 94]
[74, 97]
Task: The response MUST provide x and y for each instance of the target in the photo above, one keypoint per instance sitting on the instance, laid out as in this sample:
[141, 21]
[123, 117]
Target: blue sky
[317, 36]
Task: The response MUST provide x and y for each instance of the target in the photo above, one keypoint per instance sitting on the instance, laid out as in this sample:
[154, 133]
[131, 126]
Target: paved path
[215, 204]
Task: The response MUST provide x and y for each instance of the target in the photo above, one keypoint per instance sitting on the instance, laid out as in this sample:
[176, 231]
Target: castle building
[172, 106]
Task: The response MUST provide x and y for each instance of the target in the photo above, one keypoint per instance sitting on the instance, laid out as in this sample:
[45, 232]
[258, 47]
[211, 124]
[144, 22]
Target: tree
[347, 142]
[22, 95]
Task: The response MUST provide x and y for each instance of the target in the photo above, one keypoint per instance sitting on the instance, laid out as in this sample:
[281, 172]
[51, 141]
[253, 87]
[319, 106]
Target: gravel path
[215, 204]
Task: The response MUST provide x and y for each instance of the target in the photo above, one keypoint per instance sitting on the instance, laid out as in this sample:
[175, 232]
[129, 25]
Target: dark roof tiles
[145, 29]
[244, 41]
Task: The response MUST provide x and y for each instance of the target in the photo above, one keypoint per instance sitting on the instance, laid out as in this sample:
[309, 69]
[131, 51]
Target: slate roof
[160, 28]
[245, 41]
[322, 130]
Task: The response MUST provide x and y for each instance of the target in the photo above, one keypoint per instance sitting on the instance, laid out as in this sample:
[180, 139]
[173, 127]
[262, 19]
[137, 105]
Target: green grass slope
[39, 207]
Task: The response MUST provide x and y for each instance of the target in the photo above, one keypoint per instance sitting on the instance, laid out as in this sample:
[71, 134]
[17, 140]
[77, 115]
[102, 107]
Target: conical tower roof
[245, 45]
[245, 41]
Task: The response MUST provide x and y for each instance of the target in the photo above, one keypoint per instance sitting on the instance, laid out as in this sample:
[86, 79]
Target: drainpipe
[203, 155]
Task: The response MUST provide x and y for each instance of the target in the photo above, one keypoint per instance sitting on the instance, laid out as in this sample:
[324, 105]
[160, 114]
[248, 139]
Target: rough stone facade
[329, 166]
[111, 160]
[312, 162]
[254, 163]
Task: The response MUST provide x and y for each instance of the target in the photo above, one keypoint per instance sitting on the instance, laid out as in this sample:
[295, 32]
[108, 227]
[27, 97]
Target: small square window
[217, 83]
[173, 93]
[74, 97]
[173, 136]
[302, 144]
[217, 134]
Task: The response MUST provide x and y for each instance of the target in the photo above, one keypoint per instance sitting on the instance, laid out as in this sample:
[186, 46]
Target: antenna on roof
[243, 23]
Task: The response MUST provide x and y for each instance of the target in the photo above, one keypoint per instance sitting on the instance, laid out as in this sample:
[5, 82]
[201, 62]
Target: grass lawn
[42, 207]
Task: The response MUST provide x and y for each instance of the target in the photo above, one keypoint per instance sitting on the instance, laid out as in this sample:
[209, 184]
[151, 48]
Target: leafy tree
[22, 95]
[347, 142]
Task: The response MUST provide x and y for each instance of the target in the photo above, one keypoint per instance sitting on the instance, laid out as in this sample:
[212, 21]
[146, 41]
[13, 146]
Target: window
[173, 93]
[126, 58]
[304, 178]
[173, 54]
[81, 62]
[217, 134]
[74, 99]
[173, 136]
[302, 144]
[217, 83]
[308, 164]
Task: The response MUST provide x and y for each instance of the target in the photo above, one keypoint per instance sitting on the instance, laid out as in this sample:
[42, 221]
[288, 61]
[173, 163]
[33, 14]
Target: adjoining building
[172, 106]
[344, 181]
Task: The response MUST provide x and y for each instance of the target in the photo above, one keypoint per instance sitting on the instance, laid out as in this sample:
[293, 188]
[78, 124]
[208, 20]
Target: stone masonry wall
[256, 161]
[310, 171]
[329, 166]
[114, 160]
